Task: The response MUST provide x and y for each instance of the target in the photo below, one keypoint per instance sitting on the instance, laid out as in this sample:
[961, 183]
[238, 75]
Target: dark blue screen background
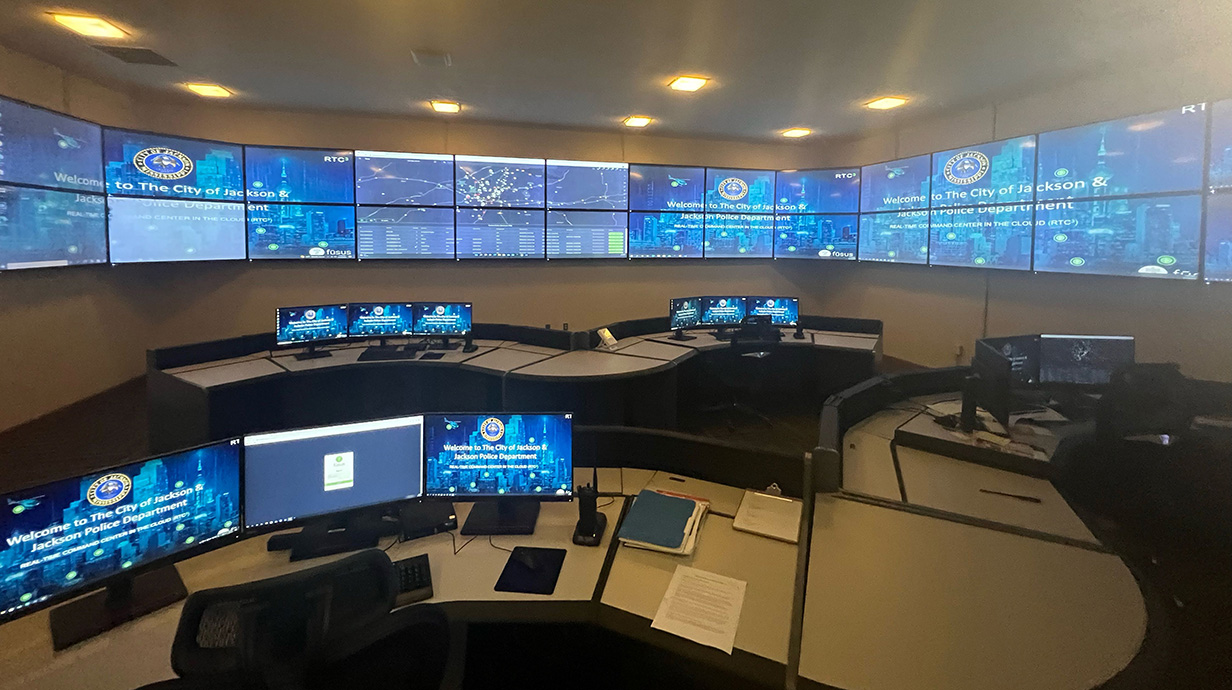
[722, 311]
[327, 323]
[45, 148]
[816, 237]
[301, 231]
[380, 319]
[894, 237]
[299, 175]
[403, 179]
[442, 318]
[666, 188]
[61, 228]
[818, 191]
[1151, 237]
[1005, 173]
[666, 235]
[896, 185]
[996, 236]
[594, 185]
[784, 311]
[752, 191]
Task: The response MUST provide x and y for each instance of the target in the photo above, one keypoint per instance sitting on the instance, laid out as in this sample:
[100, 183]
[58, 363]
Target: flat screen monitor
[487, 181]
[48, 149]
[442, 318]
[685, 312]
[477, 456]
[1085, 360]
[894, 237]
[306, 473]
[588, 185]
[148, 230]
[1022, 351]
[41, 228]
[401, 232]
[72, 535]
[311, 324]
[1151, 237]
[304, 176]
[666, 235]
[490, 233]
[301, 231]
[1219, 237]
[587, 234]
[380, 319]
[835, 190]
[830, 236]
[989, 236]
[1145, 154]
[722, 311]
[730, 190]
[1001, 172]
[783, 311]
[1220, 155]
[739, 236]
[899, 185]
[403, 179]
[157, 165]
[666, 188]
[993, 382]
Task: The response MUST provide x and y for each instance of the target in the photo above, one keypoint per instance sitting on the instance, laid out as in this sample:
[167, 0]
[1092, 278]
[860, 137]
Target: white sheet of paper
[702, 607]
[770, 516]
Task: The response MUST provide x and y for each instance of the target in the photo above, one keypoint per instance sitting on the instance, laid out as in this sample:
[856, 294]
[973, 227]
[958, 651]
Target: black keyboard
[381, 354]
[414, 580]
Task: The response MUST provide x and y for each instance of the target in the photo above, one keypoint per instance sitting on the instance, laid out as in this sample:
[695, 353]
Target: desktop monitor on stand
[381, 320]
[722, 312]
[506, 463]
[442, 321]
[310, 326]
[783, 311]
[684, 312]
[988, 386]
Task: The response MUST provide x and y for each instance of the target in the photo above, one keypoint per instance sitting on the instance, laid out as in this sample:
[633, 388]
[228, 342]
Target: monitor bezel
[346, 308]
[474, 498]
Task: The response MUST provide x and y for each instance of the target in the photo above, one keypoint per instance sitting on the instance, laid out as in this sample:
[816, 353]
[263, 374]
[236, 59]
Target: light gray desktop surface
[221, 375]
[350, 355]
[656, 350]
[846, 341]
[503, 360]
[589, 363]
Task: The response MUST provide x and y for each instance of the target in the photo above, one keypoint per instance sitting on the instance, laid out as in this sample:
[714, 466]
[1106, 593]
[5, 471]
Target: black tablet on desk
[531, 570]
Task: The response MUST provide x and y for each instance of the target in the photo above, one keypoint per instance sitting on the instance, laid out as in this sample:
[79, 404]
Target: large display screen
[996, 173]
[1154, 237]
[816, 237]
[666, 188]
[442, 318]
[739, 235]
[311, 324]
[42, 228]
[1219, 237]
[587, 234]
[380, 319]
[894, 237]
[783, 311]
[722, 311]
[486, 181]
[67, 535]
[666, 235]
[1159, 152]
[835, 190]
[44, 148]
[1221, 145]
[499, 455]
[301, 231]
[403, 179]
[895, 185]
[156, 165]
[400, 232]
[1085, 360]
[300, 175]
[685, 312]
[990, 236]
[148, 230]
[500, 234]
[748, 191]
[587, 185]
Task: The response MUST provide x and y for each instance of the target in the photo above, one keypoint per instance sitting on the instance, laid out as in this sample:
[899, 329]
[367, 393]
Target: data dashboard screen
[895, 185]
[149, 230]
[402, 232]
[40, 147]
[722, 311]
[739, 236]
[835, 190]
[587, 185]
[996, 173]
[301, 231]
[1158, 152]
[489, 233]
[311, 324]
[587, 234]
[41, 228]
[988, 236]
[666, 235]
[900, 237]
[380, 319]
[299, 175]
[1219, 237]
[1151, 237]
[822, 236]
[783, 311]
[403, 179]
[666, 188]
[487, 181]
[685, 312]
[1221, 145]
[730, 190]
[442, 318]
[155, 165]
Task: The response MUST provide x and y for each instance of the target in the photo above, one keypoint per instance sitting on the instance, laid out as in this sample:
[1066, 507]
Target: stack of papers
[664, 521]
[770, 516]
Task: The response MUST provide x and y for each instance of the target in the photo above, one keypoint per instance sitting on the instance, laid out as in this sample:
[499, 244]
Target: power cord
[456, 548]
[498, 548]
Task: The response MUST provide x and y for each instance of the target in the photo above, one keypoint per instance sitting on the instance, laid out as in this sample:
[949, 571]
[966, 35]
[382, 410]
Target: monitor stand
[679, 335]
[799, 334]
[504, 516]
[120, 602]
[329, 536]
[313, 353]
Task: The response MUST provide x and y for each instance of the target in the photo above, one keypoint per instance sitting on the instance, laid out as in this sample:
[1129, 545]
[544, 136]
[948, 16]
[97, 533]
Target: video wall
[1149, 195]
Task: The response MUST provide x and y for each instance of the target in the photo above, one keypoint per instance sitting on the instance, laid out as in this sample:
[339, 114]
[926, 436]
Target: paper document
[770, 516]
[702, 607]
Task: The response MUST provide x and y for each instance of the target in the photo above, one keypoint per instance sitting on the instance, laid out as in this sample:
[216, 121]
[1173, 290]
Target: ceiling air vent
[136, 56]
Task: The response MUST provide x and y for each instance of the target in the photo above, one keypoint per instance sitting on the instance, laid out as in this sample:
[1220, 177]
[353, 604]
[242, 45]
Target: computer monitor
[1023, 353]
[520, 459]
[722, 311]
[989, 386]
[1083, 360]
[380, 319]
[783, 311]
[311, 325]
[442, 320]
[684, 312]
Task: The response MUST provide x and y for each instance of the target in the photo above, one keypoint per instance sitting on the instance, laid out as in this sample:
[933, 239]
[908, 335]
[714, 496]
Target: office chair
[742, 374]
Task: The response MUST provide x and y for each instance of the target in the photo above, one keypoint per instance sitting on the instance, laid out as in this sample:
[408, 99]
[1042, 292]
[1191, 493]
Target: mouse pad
[531, 570]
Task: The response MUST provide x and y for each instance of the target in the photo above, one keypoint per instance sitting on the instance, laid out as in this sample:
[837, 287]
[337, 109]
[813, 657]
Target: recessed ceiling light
[688, 83]
[209, 90]
[95, 27]
[886, 102]
[796, 132]
[445, 106]
[637, 121]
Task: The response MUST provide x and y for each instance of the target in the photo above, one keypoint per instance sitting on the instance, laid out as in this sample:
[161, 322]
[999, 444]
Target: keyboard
[414, 580]
[382, 354]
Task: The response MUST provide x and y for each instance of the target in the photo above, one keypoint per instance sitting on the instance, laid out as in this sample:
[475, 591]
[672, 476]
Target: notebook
[659, 520]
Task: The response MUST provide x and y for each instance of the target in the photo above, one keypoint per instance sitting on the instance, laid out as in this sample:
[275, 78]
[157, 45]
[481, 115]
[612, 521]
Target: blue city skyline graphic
[783, 311]
[144, 229]
[301, 231]
[587, 234]
[590, 186]
[403, 180]
[43, 148]
[824, 236]
[835, 190]
[1221, 145]
[666, 188]
[719, 310]
[500, 234]
[1219, 237]
[900, 237]
[383, 319]
[311, 324]
[38, 225]
[487, 184]
[666, 235]
[442, 318]
[685, 312]
[731, 190]
[992, 236]
[393, 232]
[739, 235]
[896, 185]
[544, 472]
[216, 167]
[314, 176]
[1009, 176]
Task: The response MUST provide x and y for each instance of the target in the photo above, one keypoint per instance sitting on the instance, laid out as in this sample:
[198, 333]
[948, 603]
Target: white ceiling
[588, 63]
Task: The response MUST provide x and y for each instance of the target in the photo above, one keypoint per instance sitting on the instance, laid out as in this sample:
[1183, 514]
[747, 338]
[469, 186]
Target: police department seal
[966, 167]
[733, 189]
[163, 163]
[492, 429]
[109, 489]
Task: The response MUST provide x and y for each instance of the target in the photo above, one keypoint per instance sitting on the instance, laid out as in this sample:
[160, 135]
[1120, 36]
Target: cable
[397, 540]
[498, 548]
[456, 548]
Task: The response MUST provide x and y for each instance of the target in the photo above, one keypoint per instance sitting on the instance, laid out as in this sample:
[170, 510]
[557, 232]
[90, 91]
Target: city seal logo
[492, 429]
[733, 189]
[109, 489]
[966, 168]
[163, 164]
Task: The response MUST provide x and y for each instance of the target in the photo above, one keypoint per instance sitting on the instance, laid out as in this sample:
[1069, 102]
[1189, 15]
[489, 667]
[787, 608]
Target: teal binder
[657, 519]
